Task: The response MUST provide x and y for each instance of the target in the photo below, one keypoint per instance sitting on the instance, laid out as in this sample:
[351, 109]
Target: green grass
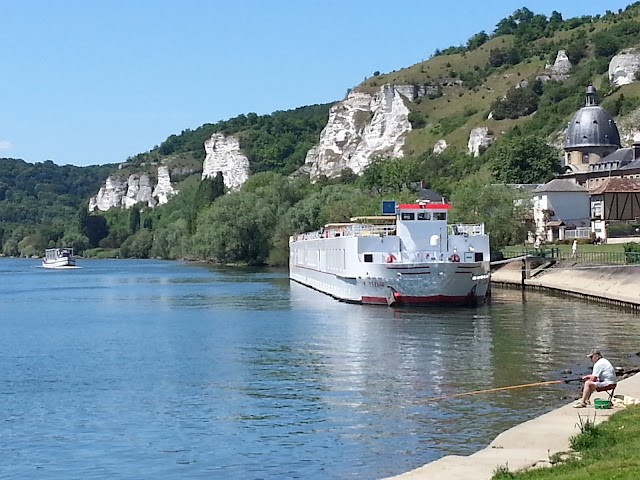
[607, 451]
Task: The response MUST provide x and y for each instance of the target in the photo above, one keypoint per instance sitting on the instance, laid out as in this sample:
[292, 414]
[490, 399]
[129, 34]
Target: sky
[87, 83]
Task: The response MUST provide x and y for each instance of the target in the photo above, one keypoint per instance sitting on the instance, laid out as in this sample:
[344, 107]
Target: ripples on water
[145, 369]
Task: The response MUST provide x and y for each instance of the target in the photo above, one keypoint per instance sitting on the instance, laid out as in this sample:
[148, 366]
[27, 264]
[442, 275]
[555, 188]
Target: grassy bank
[606, 451]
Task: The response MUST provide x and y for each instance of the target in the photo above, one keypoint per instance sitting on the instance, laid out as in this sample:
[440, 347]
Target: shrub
[589, 434]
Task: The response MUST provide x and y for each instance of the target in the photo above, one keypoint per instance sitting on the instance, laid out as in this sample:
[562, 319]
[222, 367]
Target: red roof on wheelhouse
[427, 205]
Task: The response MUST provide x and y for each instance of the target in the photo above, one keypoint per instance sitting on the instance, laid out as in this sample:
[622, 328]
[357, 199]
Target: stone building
[591, 136]
[594, 158]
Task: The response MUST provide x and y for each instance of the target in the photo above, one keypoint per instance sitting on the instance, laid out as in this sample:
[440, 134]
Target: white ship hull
[411, 284]
[62, 263]
[59, 258]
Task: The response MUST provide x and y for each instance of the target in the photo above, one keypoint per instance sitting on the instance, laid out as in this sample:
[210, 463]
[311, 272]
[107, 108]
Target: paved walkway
[523, 446]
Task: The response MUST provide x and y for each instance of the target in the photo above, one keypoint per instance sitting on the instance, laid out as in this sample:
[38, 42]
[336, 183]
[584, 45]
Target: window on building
[596, 209]
[585, 157]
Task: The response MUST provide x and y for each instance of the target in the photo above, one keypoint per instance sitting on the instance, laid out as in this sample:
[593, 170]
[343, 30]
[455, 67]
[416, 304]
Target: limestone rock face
[360, 129]
[119, 192]
[560, 69]
[479, 140]
[624, 66]
[629, 128]
[440, 146]
[414, 91]
[164, 190]
[223, 154]
[139, 190]
[110, 195]
[562, 65]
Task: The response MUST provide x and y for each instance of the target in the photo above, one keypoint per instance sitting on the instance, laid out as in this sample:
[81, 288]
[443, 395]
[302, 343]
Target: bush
[417, 120]
[623, 230]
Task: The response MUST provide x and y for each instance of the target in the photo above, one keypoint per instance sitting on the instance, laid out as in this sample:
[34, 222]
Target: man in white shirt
[603, 375]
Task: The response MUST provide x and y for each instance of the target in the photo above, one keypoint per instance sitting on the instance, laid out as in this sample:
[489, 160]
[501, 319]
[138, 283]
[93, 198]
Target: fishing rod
[512, 387]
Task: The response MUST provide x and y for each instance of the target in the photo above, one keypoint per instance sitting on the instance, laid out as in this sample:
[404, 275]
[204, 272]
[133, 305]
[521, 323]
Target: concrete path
[525, 445]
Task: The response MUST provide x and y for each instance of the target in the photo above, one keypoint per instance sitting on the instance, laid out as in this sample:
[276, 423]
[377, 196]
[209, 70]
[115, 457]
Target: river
[125, 369]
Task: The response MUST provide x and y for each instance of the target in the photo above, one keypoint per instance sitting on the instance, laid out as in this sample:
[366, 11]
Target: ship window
[424, 216]
[368, 257]
[407, 216]
[439, 215]
[478, 257]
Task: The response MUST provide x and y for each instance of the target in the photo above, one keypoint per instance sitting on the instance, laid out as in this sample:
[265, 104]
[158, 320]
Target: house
[560, 205]
[594, 160]
[616, 200]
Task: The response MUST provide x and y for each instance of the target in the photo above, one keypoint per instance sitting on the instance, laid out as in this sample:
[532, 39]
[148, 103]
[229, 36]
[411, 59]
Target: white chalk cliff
[624, 66]
[223, 154]
[164, 190]
[360, 129]
[119, 192]
[479, 141]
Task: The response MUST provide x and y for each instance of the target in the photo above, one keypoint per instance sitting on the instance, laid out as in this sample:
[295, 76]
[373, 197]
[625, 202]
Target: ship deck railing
[348, 230]
[466, 229]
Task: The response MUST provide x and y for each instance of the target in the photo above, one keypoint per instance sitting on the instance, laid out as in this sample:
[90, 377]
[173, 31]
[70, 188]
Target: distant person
[602, 376]
[574, 248]
[536, 244]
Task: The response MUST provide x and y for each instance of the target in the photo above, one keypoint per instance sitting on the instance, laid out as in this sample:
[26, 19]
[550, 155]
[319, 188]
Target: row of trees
[252, 226]
[275, 142]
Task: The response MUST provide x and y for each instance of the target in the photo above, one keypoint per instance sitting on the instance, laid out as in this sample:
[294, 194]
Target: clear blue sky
[85, 83]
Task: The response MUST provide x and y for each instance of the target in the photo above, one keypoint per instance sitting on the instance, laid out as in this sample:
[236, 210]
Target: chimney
[636, 150]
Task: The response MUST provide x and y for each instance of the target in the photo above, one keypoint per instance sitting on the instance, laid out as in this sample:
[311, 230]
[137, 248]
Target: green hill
[497, 80]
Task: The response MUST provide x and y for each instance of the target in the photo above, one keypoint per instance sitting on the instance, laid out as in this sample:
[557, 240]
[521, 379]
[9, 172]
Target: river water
[161, 370]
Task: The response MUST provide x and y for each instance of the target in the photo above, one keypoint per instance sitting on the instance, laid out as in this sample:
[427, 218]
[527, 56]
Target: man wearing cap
[602, 376]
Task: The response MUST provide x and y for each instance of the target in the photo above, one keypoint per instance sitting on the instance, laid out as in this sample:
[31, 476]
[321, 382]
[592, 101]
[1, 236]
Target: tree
[477, 40]
[83, 214]
[96, 229]
[525, 160]
[605, 44]
[137, 245]
[389, 175]
[576, 50]
[505, 26]
[218, 185]
[518, 102]
[503, 210]
[134, 219]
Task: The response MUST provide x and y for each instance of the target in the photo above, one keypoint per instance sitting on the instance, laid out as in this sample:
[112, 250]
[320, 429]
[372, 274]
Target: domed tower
[592, 135]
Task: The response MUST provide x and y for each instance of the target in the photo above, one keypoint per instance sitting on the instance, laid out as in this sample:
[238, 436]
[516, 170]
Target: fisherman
[603, 375]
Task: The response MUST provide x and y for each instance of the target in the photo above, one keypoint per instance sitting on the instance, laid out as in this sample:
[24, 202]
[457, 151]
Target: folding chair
[608, 388]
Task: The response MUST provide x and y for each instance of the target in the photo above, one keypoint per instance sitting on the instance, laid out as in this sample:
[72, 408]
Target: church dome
[592, 126]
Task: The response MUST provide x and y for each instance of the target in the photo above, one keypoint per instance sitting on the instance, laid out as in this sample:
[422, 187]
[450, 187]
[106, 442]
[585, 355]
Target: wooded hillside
[496, 80]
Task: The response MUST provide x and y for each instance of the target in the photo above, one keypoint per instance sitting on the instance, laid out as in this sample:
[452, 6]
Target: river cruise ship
[413, 257]
[58, 258]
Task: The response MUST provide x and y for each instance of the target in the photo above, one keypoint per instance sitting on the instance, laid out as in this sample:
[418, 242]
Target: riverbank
[611, 284]
[529, 445]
